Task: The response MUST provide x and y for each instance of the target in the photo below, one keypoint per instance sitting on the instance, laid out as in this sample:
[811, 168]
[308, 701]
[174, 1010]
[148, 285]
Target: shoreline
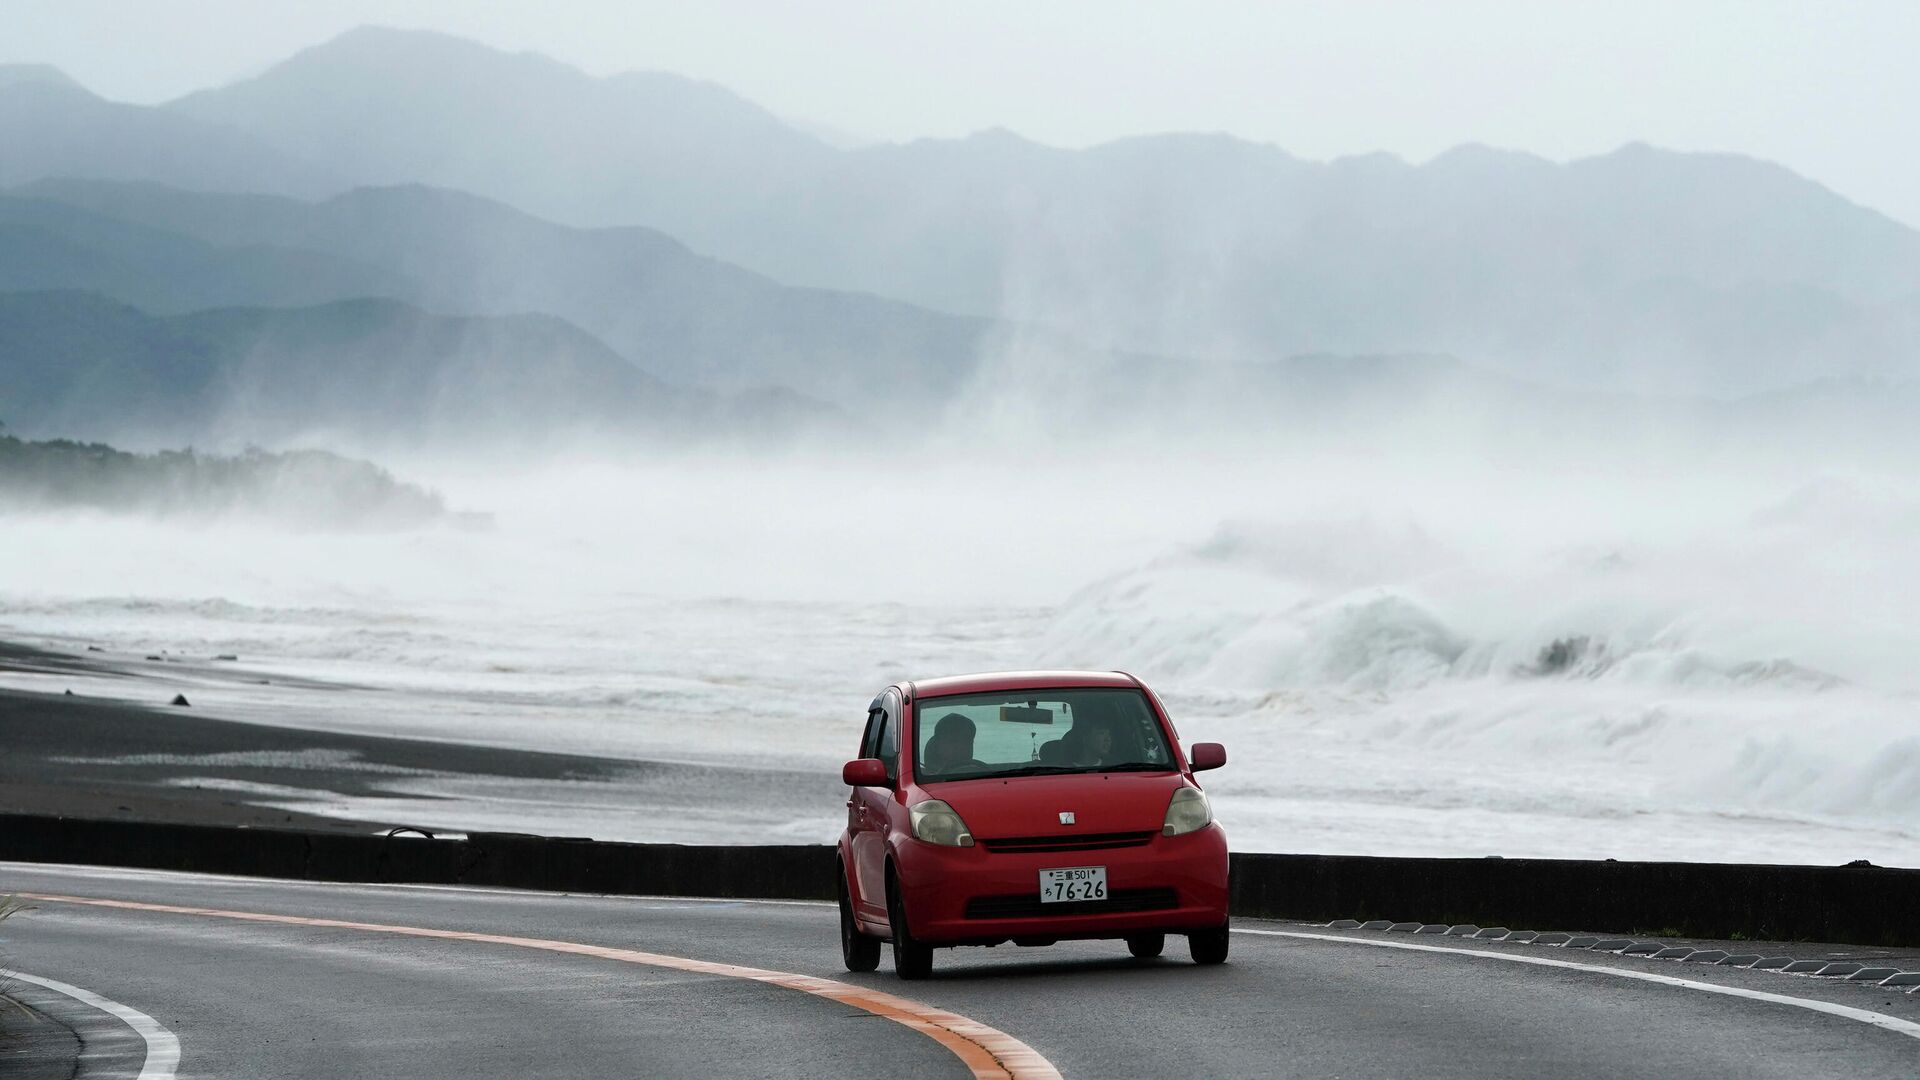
[114, 757]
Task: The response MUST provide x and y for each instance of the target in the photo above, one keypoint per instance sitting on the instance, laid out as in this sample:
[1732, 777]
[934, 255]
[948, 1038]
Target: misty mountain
[359, 372]
[685, 317]
[1640, 267]
[52, 126]
[390, 106]
[49, 244]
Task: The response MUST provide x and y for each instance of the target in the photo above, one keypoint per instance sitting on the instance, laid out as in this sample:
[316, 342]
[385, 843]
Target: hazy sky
[1828, 88]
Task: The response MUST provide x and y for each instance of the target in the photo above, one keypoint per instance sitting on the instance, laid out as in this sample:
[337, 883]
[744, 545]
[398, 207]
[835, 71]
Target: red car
[1028, 807]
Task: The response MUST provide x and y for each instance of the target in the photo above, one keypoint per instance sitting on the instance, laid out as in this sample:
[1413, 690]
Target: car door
[870, 806]
[869, 743]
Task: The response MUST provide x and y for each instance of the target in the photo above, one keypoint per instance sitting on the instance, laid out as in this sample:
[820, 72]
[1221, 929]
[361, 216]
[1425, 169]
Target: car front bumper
[958, 896]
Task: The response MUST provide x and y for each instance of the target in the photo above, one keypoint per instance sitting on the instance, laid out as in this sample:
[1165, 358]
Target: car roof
[988, 681]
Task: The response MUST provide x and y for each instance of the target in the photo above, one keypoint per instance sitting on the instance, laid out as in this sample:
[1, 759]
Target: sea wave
[1260, 606]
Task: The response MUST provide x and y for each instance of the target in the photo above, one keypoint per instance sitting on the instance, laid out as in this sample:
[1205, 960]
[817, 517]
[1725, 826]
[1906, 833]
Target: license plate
[1073, 884]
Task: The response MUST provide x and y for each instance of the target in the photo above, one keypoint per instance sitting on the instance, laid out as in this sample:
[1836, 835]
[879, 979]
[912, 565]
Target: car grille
[1082, 842]
[1028, 905]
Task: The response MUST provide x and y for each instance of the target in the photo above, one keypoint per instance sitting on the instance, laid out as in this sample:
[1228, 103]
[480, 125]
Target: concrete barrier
[1859, 905]
[510, 860]
[1852, 904]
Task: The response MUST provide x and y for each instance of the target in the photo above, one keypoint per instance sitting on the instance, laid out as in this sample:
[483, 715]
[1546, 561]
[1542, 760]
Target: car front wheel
[860, 950]
[1208, 946]
[1146, 946]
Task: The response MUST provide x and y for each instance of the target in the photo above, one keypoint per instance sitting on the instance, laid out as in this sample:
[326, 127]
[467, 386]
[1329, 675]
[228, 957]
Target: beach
[133, 756]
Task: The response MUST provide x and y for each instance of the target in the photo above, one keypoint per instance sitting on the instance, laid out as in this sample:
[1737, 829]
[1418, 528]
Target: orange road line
[990, 1053]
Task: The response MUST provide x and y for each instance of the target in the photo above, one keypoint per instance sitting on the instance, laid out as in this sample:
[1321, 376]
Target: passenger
[950, 747]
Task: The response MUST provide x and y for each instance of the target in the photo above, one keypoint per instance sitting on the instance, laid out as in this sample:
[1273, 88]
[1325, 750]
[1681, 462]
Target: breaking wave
[1761, 669]
[1260, 606]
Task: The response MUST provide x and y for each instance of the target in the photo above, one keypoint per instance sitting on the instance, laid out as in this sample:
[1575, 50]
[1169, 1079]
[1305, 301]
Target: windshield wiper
[1059, 770]
[1033, 770]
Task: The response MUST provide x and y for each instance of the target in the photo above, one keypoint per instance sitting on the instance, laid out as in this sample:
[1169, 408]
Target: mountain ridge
[1638, 269]
[52, 125]
[660, 145]
[359, 372]
[685, 317]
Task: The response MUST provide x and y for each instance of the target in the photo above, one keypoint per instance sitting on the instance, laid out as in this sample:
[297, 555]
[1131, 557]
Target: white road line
[101, 873]
[648, 897]
[987, 1052]
[1866, 1016]
[163, 1049]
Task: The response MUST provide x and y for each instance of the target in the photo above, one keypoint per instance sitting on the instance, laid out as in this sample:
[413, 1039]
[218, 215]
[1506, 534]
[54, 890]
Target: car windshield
[1035, 733]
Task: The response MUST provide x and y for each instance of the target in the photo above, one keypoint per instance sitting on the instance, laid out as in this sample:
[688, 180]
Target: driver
[1095, 743]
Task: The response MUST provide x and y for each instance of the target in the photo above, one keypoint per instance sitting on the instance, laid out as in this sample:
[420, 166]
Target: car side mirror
[1206, 755]
[865, 772]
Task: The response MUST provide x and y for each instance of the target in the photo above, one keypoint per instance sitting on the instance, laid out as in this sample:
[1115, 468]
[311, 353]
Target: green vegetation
[308, 487]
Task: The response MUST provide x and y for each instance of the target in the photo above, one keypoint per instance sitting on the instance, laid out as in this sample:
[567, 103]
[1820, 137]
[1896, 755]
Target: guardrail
[1860, 905]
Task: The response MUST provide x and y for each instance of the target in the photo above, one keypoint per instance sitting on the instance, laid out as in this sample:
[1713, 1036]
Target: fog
[1485, 504]
[1558, 649]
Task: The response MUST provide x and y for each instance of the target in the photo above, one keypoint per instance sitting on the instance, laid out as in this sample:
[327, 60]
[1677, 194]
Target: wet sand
[93, 756]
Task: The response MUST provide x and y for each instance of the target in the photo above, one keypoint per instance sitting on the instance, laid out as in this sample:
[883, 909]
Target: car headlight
[936, 823]
[1187, 811]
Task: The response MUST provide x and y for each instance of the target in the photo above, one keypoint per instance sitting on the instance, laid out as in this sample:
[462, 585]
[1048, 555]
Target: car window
[1172, 725]
[870, 739]
[889, 750]
[1033, 732]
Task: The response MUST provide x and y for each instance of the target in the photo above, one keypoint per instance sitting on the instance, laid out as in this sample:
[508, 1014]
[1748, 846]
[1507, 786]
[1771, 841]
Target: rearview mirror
[1206, 755]
[865, 772]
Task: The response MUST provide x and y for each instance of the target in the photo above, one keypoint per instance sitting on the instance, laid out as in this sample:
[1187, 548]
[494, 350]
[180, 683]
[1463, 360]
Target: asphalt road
[262, 999]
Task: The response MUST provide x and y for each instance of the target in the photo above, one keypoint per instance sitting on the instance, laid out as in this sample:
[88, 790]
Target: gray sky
[1828, 89]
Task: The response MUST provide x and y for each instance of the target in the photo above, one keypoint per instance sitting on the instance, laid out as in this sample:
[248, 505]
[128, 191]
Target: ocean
[1449, 661]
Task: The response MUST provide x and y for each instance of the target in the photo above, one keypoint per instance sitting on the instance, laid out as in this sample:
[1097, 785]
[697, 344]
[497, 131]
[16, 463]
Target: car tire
[1146, 946]
[912, 959]
[1208, 946]
[859, 949]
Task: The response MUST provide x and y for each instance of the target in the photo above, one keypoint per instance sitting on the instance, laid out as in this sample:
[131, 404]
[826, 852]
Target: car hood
[1032, 805]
